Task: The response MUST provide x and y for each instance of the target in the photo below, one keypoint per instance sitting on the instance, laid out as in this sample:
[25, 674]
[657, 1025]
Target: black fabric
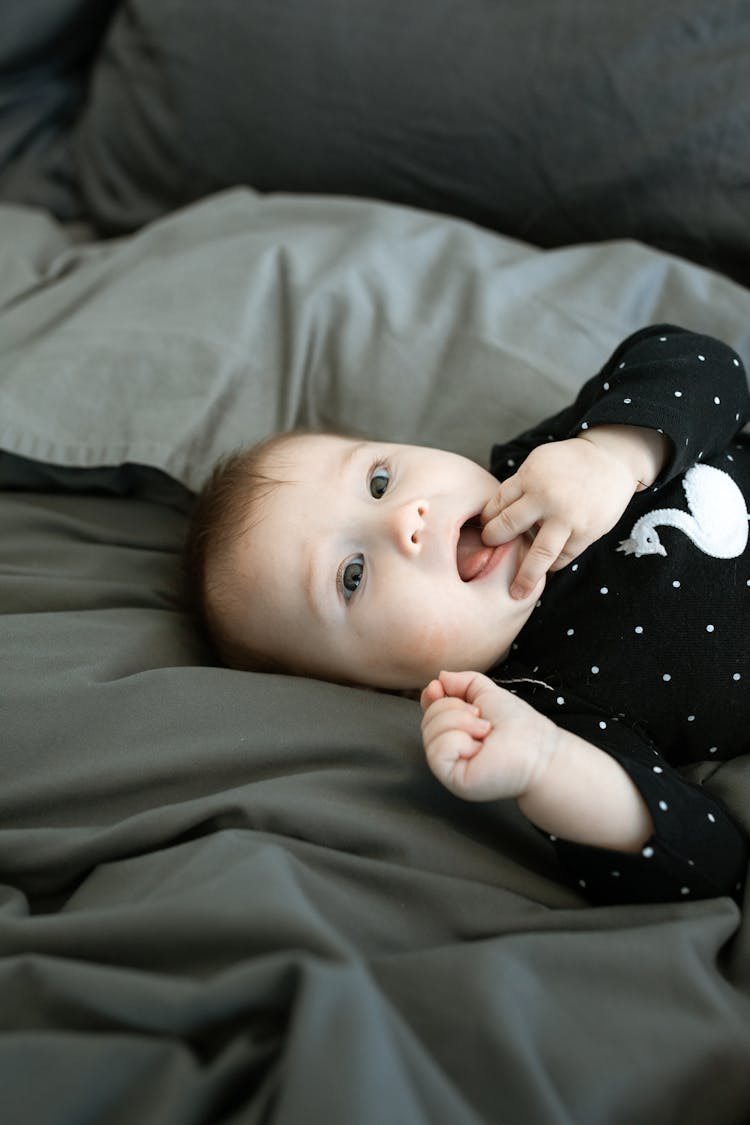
[25, 475]
[553, 123]
[643, 644]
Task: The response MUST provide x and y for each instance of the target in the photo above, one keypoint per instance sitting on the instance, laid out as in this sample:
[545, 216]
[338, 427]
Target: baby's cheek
[421, 651]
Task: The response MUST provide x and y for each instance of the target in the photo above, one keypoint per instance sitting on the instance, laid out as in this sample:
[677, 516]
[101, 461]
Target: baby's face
[366, 565]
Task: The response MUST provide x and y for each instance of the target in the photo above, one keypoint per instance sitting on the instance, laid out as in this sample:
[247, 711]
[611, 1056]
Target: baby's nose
[408, 524]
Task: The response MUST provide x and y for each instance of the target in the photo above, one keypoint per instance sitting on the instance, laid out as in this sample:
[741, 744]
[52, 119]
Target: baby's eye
[351, 576]
[380, 478]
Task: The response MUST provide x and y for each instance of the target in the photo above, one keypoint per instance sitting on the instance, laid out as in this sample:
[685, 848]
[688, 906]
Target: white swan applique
[716, 523]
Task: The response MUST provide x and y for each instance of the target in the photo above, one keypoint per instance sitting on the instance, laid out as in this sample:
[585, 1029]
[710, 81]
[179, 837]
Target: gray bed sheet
[230, 897]
[242, 898]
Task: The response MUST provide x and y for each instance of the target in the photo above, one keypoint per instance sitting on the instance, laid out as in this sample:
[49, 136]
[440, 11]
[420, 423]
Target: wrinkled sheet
[249, 313]
[229, 897]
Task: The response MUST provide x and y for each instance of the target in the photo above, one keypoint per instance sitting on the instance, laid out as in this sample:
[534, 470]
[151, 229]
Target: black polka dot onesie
[641, 645]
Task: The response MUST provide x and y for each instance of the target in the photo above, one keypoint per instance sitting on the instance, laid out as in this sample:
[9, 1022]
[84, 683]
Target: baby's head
[353, 561]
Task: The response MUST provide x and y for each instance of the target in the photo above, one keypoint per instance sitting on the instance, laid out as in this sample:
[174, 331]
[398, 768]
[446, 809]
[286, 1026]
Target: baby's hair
[227, 507]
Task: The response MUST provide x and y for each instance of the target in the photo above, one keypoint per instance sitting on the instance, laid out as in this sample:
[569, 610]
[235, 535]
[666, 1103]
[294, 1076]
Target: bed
[242, 898]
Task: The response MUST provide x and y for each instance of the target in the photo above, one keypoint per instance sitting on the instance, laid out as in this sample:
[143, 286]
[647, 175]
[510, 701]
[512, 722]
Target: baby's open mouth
[472, 555]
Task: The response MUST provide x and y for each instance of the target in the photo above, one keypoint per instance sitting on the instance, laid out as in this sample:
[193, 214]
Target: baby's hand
[481, 741]
[572, 492]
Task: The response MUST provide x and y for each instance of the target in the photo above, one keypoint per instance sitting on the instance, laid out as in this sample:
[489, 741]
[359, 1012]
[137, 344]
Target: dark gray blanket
[238, 898]
[243, 898]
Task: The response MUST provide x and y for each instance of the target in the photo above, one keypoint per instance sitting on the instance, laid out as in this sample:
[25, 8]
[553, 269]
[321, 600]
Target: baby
[614, 656]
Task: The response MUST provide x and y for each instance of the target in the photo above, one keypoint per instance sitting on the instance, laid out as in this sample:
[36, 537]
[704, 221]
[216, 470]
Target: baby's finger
[448, 749]
[508, 491]
[549, 543]
[467, 685]
[518, 517]
[449, 701]
[450, 713]
[431, 694]
[573, 548]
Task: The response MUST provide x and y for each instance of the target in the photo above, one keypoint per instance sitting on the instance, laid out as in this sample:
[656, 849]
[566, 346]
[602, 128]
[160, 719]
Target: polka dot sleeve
[697, 850]
[691, 387]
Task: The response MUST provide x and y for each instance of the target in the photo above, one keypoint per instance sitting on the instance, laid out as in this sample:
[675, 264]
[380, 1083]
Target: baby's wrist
[642, 451]
[586, 796]
[546, 741]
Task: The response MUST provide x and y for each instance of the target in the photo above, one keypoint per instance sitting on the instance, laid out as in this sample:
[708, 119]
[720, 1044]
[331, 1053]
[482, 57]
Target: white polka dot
[615, 874]
[736, 676]
[717, 400]
[663, 806]
[574, 566]
[584, 425]
[621, 366]
[658, 769]
[602, 725]
[678, 394]
[702, 358]
[666, 677]
[736, 362]
[676, 584]
[709, 628]
[662, 339]
[684, 890]
[604, 590]
[581, 882]
[510, 462]
[638, 629]
[570, 633]
[560, 700]
[647, 852]
[606, 386]
[553, 838]
[627, 401]
[711, 817]
[691, 718]
[594, 669]
[712, 749]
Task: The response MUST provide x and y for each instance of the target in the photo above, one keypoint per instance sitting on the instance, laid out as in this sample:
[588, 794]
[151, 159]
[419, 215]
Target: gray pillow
[46, 48]
[551, 122]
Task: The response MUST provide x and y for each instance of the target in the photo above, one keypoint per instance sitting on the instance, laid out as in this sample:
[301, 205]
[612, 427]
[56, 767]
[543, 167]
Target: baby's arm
[662, 378]
[573, 492]
[483, 743]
